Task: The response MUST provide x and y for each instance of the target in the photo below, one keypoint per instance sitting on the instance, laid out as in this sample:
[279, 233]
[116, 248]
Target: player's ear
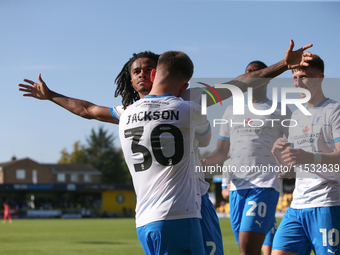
[153, 75]
[183, 87]
[321, 76]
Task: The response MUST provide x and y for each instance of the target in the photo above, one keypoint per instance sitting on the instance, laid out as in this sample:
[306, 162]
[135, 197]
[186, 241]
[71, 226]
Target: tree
[77, 156]
[101, 153]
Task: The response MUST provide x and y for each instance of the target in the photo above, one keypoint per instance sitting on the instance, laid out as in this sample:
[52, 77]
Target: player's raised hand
[295, 59]
[36, 90]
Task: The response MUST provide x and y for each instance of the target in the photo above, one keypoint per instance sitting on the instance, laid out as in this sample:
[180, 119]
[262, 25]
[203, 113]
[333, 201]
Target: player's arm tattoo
[259, 77]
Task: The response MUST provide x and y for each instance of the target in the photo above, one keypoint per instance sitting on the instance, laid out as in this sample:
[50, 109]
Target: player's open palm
[297, 58]
[36, 90]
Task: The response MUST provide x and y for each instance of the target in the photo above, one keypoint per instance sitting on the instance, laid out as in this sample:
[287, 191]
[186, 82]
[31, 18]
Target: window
[35, 176]
[21, 174]
[61, 177]
[74, 177]
[87, 178]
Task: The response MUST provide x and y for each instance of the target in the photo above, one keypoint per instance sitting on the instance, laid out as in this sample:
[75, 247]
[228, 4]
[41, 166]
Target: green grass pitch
[69, 237]
[81, 237]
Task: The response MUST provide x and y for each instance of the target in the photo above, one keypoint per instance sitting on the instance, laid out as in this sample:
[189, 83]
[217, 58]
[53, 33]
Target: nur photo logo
[239, 102]
[204, 97]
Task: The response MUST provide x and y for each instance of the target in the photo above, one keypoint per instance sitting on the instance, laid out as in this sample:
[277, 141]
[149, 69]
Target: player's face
[308, 78]
[259, 91]
[252, 67]
[140, 75]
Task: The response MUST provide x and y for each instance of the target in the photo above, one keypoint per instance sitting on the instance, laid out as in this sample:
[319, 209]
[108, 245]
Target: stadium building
[36, 190]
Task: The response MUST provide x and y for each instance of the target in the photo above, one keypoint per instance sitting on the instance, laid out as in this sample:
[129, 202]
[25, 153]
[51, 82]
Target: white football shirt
[157, 137]
[251, 139]
[316, 185]
[194, 95]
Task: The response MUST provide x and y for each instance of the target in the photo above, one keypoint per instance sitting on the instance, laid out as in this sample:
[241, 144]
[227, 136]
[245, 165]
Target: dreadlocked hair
[123, 79]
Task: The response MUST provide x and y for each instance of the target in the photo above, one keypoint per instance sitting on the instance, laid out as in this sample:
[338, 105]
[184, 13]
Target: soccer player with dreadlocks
[130, 91]
[133, 83]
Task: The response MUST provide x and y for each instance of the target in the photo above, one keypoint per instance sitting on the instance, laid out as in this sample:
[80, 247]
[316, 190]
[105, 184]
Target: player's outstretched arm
[79, 107]
[292, 59]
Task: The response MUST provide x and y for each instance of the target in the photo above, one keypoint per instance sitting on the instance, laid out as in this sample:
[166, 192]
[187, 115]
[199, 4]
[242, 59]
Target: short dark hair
[316, 63]
[123, 79]
[259, 63]
[176, 65]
